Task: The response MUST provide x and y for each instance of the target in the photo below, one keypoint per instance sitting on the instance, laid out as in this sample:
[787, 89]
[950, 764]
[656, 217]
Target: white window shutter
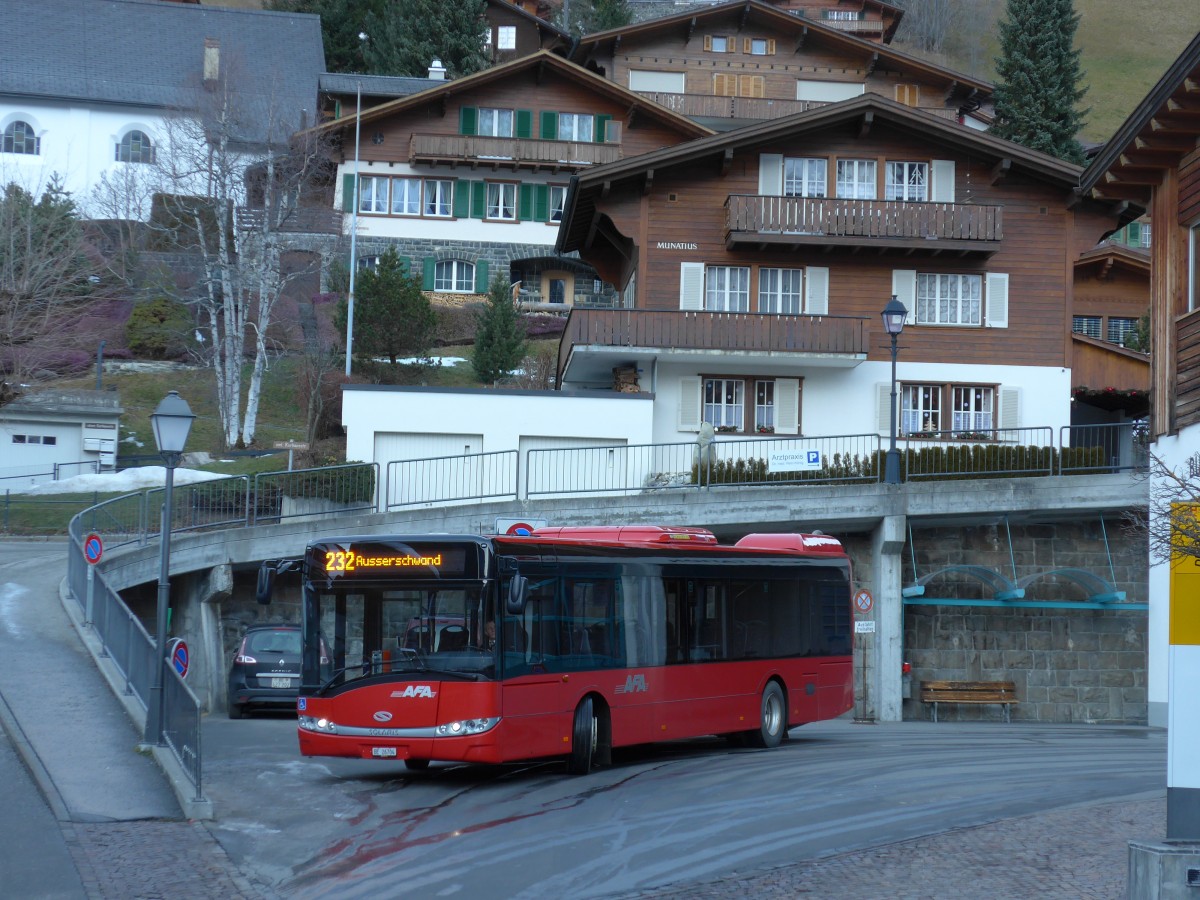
[691, 285]
[787, 405]
[689, 404]
[883, 409]
[941, 187]
[1010, 408]
[816, 291]
[997, 300]
[770, 174]
[904, 286]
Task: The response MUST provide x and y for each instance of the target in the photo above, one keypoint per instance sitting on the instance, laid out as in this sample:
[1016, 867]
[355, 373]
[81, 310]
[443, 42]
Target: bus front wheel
[774, 718]
[583, 739]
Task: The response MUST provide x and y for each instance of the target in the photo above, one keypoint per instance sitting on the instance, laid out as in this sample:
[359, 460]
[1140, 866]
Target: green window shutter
[524, 123]
[525, 202]
[347, 193]
[467, 117]
[429, 263]
[406, 265]
[481, 277]
[549, 126]
[1133, 234]
[478, 199]
[337, 109]
[601, 122]
[541, 202]
[462, 198]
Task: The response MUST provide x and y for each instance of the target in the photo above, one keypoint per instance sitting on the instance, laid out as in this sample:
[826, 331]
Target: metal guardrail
[219, 503]
[1005, 452]
[620, 468]
[451, 479]
[181, 724]
[1124, 447]
[850, 458]
[308, 493]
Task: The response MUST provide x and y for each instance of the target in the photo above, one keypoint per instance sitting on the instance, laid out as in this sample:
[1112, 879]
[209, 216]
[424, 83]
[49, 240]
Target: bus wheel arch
[773, 722]
[591, 735]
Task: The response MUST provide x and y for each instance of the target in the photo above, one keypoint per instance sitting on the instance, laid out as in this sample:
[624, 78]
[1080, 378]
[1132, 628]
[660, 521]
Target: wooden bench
[1000, 692]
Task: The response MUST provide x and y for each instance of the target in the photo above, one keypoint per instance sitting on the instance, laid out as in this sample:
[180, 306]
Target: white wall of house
[32, 446]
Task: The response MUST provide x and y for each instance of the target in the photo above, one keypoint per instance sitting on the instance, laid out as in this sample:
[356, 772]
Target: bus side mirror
[266, 582]
[518, 586]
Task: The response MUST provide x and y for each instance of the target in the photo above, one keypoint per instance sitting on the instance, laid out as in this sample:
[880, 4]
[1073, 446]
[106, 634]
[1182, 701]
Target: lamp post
[172, 420]
[362, 37]
[893, 323]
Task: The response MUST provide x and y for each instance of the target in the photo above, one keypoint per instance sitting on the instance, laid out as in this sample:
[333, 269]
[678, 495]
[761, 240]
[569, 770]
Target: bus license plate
[383, 751]
[281, 682]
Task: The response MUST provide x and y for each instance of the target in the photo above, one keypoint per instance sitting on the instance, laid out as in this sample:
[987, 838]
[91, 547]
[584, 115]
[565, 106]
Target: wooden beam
[591, 232]
[726, 161]
[800, 40]
[864, 127]
[1119, 209]
[1000, 170]
[953, 86]
[1106, 268]
[691, 28]
[745, 16]
[648, 182]
[872, 63]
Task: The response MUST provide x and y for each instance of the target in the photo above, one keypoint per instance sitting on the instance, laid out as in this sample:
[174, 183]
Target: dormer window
[135, 147]
[842, 15]
[20, 138]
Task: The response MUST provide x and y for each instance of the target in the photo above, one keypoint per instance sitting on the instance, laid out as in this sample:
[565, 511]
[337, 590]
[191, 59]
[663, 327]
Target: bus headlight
[467, 726]
[312, 723]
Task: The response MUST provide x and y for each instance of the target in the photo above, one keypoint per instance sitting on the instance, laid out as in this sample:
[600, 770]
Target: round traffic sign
[179, 656]
[520, 528]
[863, 601]
[93, 548]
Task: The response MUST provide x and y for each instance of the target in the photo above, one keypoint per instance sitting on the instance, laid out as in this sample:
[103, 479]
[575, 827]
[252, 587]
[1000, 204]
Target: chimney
[437, 72]
[212, 62]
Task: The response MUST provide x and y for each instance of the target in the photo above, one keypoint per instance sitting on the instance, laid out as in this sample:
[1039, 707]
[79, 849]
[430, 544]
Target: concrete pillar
[200, 619]
[887, 547]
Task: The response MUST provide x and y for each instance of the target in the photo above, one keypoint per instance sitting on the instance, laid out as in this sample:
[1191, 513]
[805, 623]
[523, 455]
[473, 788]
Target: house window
[908, 94]
[972, 410]
[406, 196]
[781, 291]
[1145, 241]
[751, 85]
[724, 403]
[48, 440]
[724, 85]
[920, 408]
[1086, 325]
[856, 179]
[948, 299]
[558, 199]
[454, 276]
[575, 126]
[804, 177]
[506, 37]
[727, 288]
[373, 194]
[761, 47]
[502, 201]
[368, 264]
[1119, 329]
[495, 123]
[841, 15]
[907, 181]
[439, 195]
[764, 406]
[19, 138]
[135, 147]
[719, 44]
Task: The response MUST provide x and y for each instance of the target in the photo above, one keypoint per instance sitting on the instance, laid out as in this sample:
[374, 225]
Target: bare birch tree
[1171, 523]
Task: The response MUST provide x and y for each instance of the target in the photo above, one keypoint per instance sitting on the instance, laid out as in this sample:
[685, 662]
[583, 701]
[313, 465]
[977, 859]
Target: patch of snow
[125, 482]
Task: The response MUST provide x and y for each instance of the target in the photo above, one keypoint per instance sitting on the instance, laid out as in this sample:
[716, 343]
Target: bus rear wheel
[583, 739]
[774, 718]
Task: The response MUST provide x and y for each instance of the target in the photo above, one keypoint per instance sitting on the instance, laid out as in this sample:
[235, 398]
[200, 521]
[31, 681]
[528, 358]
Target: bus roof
[656, 534]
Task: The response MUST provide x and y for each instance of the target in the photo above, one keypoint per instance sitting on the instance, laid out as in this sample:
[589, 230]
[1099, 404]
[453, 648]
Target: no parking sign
[863, 601]
[177, 649]
[93, 548]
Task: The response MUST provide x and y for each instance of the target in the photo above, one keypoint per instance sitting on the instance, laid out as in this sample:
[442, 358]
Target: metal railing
[1123, 447]
[314, 493]
[218, 503]
[181, 724]
[451, 479]
[619, 468]
[839, 459]
[1004, 452]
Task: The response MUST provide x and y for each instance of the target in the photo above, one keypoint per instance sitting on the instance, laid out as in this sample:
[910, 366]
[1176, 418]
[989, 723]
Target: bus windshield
[375, 630]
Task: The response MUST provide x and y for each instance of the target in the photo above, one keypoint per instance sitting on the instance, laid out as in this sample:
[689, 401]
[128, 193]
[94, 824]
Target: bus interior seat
[453, 637]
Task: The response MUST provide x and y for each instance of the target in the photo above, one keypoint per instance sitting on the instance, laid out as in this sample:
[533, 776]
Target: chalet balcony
[509, 153]
[595, 340]
[757, 221]
[699, 106]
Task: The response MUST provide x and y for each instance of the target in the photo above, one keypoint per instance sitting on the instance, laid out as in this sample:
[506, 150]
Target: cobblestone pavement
[1080, 852]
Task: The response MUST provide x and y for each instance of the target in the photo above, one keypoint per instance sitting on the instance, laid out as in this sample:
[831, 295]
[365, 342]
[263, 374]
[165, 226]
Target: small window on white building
[725, 403]
[454, 276]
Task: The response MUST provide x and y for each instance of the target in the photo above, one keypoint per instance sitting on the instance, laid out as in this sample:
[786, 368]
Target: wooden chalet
[868, 19]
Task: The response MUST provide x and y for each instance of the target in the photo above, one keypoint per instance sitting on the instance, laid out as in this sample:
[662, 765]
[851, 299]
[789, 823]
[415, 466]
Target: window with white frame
[576, 126]
[760, 47]
[856, 179]
[406, 196]
[495, 122]
[781, 291]
[1119, 329]
[502, 201]
[1088, 326]
[907, 181]
[44, 439]
[439, 196]
[558, 199]
[725, 403]
[454, 276]
[368, 263]
[719, 44]
[373, 194]
[972, 409]
[841, 15]
[764, 406]
[727, 288]
[920, 408]
[949, 299]
[19, 137]
[804, 177]
[506, 37]
[135, 147]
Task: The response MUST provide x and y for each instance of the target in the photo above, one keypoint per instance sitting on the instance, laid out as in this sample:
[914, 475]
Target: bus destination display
[374, 560]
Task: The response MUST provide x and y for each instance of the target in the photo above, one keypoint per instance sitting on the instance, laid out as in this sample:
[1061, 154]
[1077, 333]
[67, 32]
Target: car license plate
[281, 682]
[383, 751]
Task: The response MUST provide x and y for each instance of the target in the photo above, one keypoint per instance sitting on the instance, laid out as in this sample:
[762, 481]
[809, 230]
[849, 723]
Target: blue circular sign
[93, 548]
[179, 656]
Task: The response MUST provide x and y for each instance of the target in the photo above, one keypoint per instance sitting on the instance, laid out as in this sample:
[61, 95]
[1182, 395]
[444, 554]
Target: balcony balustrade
[512, 153]
[709, 106]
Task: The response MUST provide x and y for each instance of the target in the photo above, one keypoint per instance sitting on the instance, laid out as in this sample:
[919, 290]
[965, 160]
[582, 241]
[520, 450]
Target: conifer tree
[410, 34]
[392, 315]
[1037, 91]
[500, 339]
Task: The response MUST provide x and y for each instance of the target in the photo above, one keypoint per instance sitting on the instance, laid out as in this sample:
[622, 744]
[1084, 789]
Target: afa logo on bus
[416, 690]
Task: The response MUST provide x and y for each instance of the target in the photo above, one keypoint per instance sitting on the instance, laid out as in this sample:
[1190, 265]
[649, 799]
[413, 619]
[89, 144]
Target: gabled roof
[1110, 254]
[864, 110]
[151, 54]
[373, 85]
[782, 23]
[1163, 129]
[541, 61]
[542, 25]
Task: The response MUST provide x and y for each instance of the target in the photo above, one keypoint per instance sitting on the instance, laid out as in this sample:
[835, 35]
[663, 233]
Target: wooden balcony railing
[707, 105]
[883, 221]
[867, 26]
[509, 152]
[680, 330]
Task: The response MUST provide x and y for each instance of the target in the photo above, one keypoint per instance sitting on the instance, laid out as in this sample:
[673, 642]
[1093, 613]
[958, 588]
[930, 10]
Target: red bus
[568, 642]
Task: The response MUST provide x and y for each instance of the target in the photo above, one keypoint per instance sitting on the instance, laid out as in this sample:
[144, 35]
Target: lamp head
[172, 421]
[894, 315]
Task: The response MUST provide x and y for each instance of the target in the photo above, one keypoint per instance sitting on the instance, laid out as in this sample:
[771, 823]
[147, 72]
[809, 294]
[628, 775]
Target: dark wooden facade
[530, 32]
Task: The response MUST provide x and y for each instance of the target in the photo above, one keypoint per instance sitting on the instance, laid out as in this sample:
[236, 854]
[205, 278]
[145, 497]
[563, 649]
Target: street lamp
[893, 323]
[172, 420]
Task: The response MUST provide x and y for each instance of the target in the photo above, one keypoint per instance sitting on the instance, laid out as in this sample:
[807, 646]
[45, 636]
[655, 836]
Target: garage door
[435, 468]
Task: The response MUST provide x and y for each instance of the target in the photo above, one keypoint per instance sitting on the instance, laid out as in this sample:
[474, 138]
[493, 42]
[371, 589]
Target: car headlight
[467, 726]
[313, 723]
